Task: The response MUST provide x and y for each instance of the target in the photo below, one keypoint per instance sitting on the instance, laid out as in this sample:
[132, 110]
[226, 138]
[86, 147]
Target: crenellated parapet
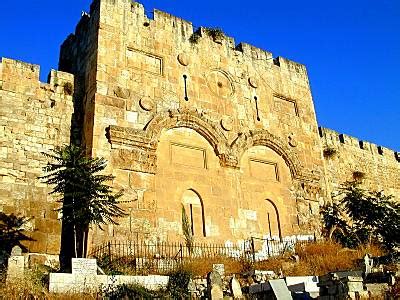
[23, 78]
[336, 141]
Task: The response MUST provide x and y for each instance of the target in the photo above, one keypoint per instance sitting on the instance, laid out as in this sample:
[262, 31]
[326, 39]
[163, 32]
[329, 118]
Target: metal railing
[165, 256]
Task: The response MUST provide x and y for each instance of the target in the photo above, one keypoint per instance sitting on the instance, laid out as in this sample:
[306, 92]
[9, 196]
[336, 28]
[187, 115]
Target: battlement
[134, 13]
[21, 77]
[336, 141]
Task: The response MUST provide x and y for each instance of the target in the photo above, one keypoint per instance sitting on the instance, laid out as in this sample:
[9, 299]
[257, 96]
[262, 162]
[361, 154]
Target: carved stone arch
[264, 138]
[189, 119]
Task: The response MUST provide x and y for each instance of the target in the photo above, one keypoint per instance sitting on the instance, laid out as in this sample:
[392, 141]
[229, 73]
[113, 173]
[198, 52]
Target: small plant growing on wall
[187, 230]
[329, 152]
[358, 175]
[68, 88]
[195, 37]
[215, 33]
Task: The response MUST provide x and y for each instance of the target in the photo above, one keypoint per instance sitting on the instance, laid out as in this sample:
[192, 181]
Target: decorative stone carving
[220, 83]
[137, 148]
[292, 140]
[253, 82]
[135, 160]
[265, 138]
[183, 59]
[122, 93]
[146, 104]
[227, 123]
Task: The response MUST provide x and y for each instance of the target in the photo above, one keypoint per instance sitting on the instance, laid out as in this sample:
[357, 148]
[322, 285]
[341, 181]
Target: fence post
[269, 254]
[253, 250]
[109, 250]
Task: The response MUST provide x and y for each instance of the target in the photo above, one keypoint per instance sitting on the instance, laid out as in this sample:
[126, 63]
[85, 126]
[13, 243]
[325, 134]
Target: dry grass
[319, 259]
[314, 259]
[203, 267]
[32, 287]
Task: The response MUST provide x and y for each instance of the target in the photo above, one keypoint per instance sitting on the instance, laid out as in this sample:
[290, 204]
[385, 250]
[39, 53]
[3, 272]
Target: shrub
[68, 88]
[329, 152]
[358, 175]
[359, 216]
[195, 37]
[215, 33]
[178, 283]
[132, 291]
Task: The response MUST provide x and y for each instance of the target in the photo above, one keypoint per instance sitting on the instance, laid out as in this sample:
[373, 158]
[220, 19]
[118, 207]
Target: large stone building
[183, 118]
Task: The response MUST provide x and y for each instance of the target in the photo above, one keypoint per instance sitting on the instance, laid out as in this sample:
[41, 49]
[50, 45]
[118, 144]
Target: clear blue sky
[351, 48]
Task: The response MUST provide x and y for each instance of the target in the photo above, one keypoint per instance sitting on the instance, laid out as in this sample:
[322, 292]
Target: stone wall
[35, 117]
[194, 119]
[183, 118]
[348, 158]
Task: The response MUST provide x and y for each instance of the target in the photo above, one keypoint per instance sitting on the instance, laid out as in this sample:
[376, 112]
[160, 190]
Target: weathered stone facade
[184, 118]
[378, 168]
[35, 117]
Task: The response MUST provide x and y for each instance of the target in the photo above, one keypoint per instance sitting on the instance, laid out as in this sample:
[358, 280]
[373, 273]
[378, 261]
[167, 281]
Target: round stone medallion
[183, 59]
[146, 104]
[227, 123]
[292, 140]
[253, 82]
[220, 84]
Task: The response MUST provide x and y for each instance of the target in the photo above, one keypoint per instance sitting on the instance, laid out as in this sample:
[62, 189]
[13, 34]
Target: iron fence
[143, 257]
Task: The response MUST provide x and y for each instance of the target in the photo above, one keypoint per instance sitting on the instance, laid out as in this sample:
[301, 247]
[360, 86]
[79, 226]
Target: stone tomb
[84, 266]
[301, 285]
[84, 278]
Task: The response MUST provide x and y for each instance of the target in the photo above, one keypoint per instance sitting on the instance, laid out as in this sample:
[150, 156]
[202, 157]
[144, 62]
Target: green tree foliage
[12, 233]
[358, 216]
[85, 196]
[187, 230]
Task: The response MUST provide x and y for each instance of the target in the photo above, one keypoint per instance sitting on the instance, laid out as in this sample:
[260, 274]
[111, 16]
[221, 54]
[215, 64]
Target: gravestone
[236, 288]
[280, 289]
[220, 268]
[16, 251]
[303, 285]
[216, 292]
[215, 285]
[368, 264]
[84, 266]
[15, 268]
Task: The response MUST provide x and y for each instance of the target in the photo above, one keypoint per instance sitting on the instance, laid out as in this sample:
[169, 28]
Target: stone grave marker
[216, 292]
[236, 289]
[16, 251]
[15, 268]
[84, 266]
[214, 285]
[220, 268]
[368, 264]
[280, 289]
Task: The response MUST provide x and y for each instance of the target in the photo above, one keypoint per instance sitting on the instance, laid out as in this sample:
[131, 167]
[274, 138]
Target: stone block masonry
[376, 167]
[35, 117]
[183, 118]
[221, 128]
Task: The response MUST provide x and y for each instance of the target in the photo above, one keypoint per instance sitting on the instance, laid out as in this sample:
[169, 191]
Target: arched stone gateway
[264, 138]
[144, 142]
[195, 151]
